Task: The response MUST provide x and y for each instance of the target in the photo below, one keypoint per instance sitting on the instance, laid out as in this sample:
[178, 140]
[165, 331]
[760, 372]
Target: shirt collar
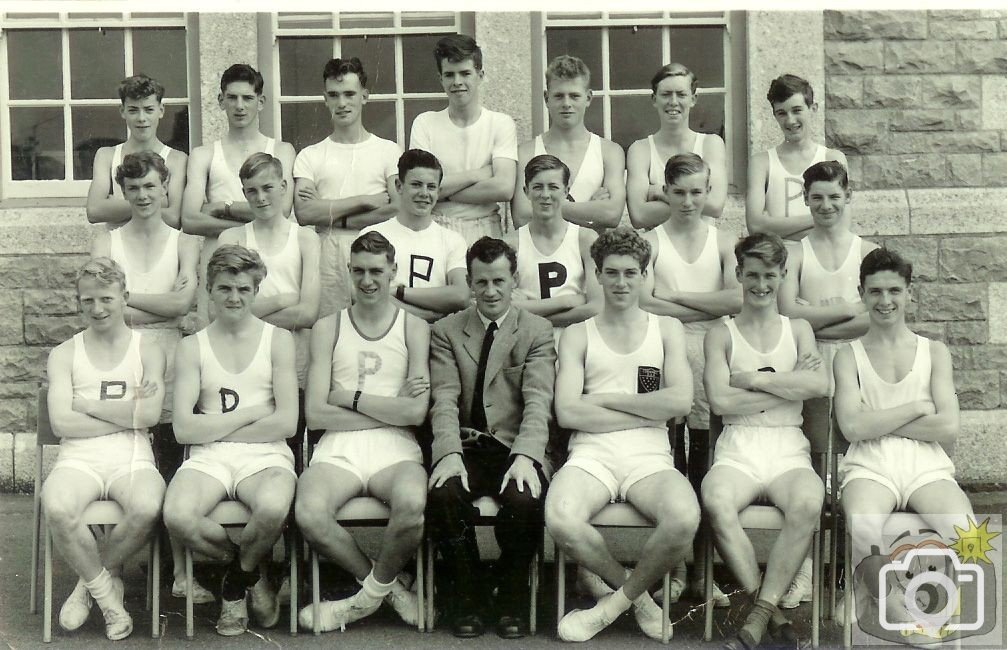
[486, 322]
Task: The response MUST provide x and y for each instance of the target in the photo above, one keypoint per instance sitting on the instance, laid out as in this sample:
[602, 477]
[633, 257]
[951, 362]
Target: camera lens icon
[940, 586]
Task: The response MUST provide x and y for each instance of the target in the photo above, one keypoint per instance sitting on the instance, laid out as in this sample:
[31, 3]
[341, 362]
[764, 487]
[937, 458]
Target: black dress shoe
[467, 627]
[511, 627]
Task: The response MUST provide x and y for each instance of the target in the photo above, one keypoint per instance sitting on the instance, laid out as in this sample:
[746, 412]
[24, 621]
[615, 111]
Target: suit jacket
[517, 394]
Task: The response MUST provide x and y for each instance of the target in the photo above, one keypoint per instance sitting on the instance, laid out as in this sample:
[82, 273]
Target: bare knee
[271, 510]
[143, 511]
[805, 509]
[719, 503]
[564, 520]
[679, 520]
[181, 519]
[408, 508]
[60, 513]
[312, 516]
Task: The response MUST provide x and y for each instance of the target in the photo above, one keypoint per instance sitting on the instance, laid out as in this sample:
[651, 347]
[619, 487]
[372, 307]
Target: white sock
[644, 599]
[376, 591]
[102, 589]
[615, 605]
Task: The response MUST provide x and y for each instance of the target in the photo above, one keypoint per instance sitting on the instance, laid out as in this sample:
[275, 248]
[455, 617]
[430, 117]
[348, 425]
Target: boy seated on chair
[896, 404]
[105, 390]
[760, 366]
[622, 375]
[235, 404]
[368, 386]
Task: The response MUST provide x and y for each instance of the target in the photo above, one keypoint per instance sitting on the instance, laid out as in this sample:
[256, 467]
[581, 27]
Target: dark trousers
[696, 465]
[451, 520]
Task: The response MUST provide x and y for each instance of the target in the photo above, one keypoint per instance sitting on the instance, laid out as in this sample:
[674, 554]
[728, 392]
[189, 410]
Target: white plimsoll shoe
[583, 624]
[265, 605]
[337, 614]
[233, 617]
[800, 588]
[404, 602]
[76, 608]
[118, 623]
[590, 583]
[649, 617]
[200, 594]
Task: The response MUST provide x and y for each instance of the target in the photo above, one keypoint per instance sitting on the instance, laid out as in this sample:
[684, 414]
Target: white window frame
[12, 189]
[399, 97]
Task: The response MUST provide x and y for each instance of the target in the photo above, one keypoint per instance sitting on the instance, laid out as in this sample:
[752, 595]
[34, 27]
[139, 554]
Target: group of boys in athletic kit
[392, 301]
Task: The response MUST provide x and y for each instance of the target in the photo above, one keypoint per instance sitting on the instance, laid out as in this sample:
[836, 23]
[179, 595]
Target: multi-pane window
[396, 50]
[59, 75]
[624, 50]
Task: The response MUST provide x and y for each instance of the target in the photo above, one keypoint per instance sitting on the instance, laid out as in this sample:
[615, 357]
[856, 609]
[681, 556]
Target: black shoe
[511, 627]
[467, 627]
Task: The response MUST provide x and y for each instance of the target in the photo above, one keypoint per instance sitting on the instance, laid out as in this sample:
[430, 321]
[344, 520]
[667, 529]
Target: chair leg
[533, 614]
[295, 583]
[665, 610]
[155, 588]
[816, 579]
[47, 588]
[431, 561]
[848, 594]
[189, 622]
[421, 606]
[36, 522]
[708, 586]
[149, 580]
[316, 622]
[560, 586]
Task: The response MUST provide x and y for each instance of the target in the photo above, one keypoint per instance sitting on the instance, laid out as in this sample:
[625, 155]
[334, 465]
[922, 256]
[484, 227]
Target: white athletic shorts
[366, 452]
[900, 464]
[233, 462]
[107, 458]
[762, 453]
[619, 459]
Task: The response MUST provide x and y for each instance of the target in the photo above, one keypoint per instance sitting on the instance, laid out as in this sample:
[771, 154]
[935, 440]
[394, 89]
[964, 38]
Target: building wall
[881, 77]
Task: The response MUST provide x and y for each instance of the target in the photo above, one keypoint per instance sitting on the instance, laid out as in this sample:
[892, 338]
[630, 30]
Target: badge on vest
[648, 379]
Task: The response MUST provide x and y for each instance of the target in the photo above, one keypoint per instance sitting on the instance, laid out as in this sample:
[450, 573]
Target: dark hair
[336, 68]
[565, 68]
[673, 70]
[140, 86]
[488, 250]
[620, 241]
[684, 164]
[763, 246]
[139, 164]
[545, 162]
[418, 158]
[375, 243]
[103, 270]
[885, 259]
[241, 72]
[827, 170]
[232, 258]
[456, 48]
[786, 86]
[258, 162]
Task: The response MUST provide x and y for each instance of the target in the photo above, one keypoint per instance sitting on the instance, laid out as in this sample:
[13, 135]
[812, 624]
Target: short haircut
[786, 86]
[885, 259]
[140, 86]
[259, 162]
[233, 258]
[457, 48]
[242, 72]
[620, 241]
[375, 243]
[103, 270]
[827, 170]
[337, 68]
[418, 158]
[763, 246]
[545, 162]
[566, 68]
[139, 164]
[488, 250]
[684, 164]
[673, 70]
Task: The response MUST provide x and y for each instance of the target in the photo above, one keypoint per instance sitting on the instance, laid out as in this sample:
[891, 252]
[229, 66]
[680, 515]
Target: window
[59, 74]
[624, 50]
[396, 50]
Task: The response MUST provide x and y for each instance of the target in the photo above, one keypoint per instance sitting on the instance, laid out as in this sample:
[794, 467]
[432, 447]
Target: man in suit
[492, 370]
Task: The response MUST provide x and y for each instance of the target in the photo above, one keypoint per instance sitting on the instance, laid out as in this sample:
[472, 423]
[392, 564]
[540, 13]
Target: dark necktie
[478, 418]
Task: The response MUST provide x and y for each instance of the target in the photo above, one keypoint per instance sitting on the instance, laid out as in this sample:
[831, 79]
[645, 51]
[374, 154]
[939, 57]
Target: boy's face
[885, 294]
[265, 192]
[621, 280]
[100, 304]
[461, 82]
[760, 282]
[345, 98]
[142, 117]
[827, 201]
[546, 191]
[491, 285]
[241, 103]
[567, 100]
[232, 294]
[687, 195]
[418, 191]
[794, 116]
[145, 195]
[372, 275]
[674, 98]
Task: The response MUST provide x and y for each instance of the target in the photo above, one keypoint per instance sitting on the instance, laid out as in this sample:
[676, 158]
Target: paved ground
[19, 629]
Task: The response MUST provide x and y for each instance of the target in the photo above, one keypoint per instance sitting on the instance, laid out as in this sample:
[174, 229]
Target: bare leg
[189, 499]
[403, 487]
[268, 494]
[65, 495]
[726, 492]
[799, 494]
[141, 495]
[321, 491]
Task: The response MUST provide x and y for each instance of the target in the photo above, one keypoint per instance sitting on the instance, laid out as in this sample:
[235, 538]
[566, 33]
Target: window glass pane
[697, 14]
[701, 49]
[584, 43]
[377, 53]
[96, 62]
[419, 69]
[35, 60]
[379, 119]
[304, 21]
[707, 115]
[636, 55]
[160, 14]
[305, 124]
[37, 143]
[414, 108]
[31, 16]
[161, 53]
[573, 15]
[636, 14]
[93, 127]
[428, 19]
[174, 127]
[354, 20]
[632, 118]
[93, 15]
[301, 64]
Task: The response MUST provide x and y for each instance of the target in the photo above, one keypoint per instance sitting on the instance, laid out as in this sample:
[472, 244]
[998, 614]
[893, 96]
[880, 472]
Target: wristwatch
[227, 209]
